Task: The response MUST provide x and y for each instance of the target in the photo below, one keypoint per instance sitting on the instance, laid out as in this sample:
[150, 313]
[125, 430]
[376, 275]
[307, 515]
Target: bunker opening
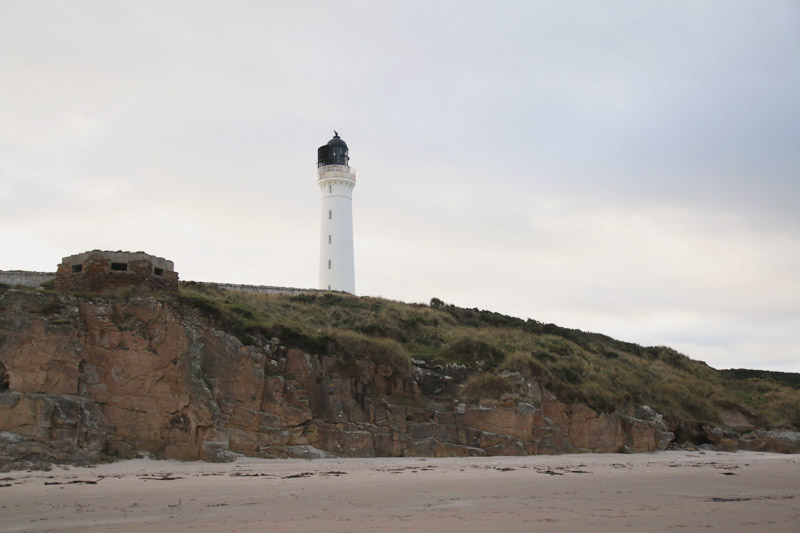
[121, 267]
[77, 268]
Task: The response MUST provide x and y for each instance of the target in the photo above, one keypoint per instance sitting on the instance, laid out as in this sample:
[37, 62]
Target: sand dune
[744, 491]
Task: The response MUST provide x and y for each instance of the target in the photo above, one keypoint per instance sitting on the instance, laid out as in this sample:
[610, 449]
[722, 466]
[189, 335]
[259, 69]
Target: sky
[624, 167]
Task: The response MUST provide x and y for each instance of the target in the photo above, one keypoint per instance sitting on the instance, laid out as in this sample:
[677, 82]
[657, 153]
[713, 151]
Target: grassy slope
[589, 367]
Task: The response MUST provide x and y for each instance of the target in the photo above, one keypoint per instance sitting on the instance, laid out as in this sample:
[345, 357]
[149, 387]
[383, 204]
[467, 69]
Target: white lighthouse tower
[336, 181]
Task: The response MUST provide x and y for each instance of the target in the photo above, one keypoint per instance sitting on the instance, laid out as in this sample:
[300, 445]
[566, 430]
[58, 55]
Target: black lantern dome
[333, 153]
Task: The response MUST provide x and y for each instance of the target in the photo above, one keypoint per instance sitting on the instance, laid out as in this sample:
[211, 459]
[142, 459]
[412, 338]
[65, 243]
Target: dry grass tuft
[483, 386]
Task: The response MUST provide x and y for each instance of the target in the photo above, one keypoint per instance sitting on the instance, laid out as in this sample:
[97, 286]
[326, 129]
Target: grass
[381, 351]
[605, 373]
[528, 365]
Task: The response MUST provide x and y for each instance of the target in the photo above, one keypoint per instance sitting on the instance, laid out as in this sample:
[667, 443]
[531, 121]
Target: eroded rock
[97, 379]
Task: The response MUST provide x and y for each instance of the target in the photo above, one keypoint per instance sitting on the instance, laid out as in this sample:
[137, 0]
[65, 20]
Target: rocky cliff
[84, 379]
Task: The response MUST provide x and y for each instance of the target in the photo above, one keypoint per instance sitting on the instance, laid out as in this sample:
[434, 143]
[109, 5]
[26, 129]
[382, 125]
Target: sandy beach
[742, 491]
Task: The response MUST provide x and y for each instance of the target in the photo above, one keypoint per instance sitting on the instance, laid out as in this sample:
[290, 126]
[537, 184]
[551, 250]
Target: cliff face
[85, 379]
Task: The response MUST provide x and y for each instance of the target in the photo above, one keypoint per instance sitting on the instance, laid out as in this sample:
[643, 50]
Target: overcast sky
[625, 167]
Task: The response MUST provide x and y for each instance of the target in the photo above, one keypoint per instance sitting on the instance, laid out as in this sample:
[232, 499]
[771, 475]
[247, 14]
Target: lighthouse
[336, 181]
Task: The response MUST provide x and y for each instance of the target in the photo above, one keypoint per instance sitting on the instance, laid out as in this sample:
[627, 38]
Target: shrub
[791, 379]
[479, 386]
[436, 303]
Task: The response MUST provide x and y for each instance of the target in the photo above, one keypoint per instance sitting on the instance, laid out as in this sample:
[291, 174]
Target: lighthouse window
[329, 239]
[329, 264]
[330, 188]
[330, 214]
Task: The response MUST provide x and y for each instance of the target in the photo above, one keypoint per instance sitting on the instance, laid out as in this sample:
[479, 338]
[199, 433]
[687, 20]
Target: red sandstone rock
[125, 377]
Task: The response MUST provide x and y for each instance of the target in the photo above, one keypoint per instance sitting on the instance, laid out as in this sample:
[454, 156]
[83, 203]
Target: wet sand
[743, 491]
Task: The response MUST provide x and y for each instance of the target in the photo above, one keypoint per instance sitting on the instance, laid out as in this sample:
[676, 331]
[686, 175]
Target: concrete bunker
[99, 270]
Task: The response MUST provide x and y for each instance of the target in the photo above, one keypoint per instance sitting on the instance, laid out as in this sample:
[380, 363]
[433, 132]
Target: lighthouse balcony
[336, 172]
